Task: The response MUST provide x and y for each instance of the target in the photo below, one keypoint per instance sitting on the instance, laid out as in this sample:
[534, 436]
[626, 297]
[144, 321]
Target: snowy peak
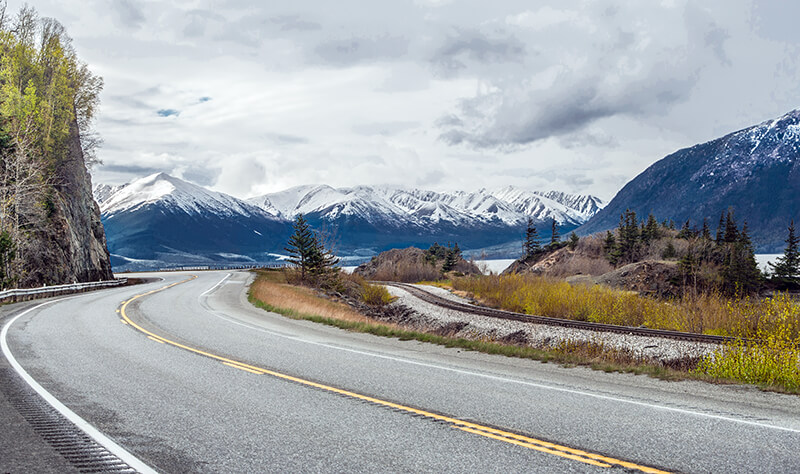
[508, 206]
[171, 192]
[102, 192]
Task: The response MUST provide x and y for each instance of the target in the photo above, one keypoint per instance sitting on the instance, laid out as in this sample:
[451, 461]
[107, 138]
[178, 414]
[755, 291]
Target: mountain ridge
[160, 218]
[755, 171]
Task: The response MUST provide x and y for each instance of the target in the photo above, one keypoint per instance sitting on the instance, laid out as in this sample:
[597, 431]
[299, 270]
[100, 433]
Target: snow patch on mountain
[511, 206]
[173, 193]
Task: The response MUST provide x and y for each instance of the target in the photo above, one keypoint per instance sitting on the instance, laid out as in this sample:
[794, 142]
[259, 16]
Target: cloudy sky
[250, 97]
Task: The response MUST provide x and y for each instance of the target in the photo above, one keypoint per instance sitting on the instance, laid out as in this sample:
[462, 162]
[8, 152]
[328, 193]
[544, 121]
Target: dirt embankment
[587, 264]
[410, 265]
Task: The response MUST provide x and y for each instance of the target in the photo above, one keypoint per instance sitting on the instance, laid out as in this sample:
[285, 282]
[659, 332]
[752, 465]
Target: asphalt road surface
[192, 378]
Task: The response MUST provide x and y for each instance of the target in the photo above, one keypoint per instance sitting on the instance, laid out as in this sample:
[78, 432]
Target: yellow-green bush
[768, 353]
[375, 295]
[768, 329]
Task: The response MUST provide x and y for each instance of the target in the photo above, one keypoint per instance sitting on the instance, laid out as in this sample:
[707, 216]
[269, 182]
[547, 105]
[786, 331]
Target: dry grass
[704, 313]
[768, 329]
[408, 272]
[271, 288]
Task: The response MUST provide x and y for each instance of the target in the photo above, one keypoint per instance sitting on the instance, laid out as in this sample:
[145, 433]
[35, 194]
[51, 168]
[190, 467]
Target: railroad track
[566, 323]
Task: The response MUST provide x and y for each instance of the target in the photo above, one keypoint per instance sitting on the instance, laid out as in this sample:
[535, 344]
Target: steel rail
[559, 322]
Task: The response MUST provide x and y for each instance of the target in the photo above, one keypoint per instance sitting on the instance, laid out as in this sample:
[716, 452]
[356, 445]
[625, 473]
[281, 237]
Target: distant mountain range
[754, 171]
[161, 220]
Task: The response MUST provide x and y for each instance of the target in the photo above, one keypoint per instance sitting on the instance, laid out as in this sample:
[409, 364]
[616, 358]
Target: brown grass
[272, 289]
[408, 272]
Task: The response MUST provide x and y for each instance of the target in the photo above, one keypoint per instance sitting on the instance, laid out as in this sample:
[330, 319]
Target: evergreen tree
[741, 274]
[686, 230]
[610, 247]
[321, 260]
[303, 246]
[731, 231]
[787, 267]
[650, 231]
[689, 266]
[554, 235]
[531, 243]
[451, 258]
[720, 229]
[628, 236]
[706, 233]
[573, 241]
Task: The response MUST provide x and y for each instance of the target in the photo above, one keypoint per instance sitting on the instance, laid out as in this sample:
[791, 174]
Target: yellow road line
[473, 428]
[246, 369]
[155, 339]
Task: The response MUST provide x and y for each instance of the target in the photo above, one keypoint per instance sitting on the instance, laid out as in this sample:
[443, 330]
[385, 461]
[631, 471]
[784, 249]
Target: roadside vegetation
[272, 291]
[765, 354]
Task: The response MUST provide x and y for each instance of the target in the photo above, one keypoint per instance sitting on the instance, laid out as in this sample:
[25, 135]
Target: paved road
[179, 410]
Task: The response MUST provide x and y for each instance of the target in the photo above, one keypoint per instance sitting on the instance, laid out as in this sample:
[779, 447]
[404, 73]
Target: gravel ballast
[427, 317]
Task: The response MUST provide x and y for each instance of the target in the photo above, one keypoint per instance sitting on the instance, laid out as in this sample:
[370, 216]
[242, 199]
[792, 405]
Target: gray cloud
[628, 75]
[473, 46]
[294, 22]
[204, 176]
[135, 170]
[128, 13]
[284, 139]
[347, 52]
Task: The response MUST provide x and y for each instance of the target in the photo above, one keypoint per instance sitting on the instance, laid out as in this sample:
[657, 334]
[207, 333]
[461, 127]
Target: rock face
[755, 171]
[72, 246]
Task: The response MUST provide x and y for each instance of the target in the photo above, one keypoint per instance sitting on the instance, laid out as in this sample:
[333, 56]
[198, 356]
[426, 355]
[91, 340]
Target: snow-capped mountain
[102, 192]
[507, 206]
[161, 220]
[755, 171]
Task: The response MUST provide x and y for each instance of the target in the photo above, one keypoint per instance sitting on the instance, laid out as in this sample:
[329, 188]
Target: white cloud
[572, 94]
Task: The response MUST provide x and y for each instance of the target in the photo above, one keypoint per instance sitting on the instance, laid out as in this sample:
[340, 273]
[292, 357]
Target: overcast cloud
[252, 97]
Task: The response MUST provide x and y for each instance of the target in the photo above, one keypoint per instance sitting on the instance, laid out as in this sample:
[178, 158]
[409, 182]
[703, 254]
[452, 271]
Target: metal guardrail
[200, 268]
[19, 294]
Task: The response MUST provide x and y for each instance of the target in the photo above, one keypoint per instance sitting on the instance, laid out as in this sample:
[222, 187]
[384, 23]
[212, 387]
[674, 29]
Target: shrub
[376, 295]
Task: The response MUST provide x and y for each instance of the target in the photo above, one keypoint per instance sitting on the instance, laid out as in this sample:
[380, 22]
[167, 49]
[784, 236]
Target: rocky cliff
[71, 247]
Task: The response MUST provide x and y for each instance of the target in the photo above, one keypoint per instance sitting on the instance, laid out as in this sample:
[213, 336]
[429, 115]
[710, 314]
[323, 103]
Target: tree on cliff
[47, 98]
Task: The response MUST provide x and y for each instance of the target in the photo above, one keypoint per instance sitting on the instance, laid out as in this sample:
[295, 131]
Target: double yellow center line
[473, 428]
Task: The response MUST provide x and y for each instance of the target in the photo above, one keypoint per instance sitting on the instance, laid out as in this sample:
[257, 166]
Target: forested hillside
[50, 230]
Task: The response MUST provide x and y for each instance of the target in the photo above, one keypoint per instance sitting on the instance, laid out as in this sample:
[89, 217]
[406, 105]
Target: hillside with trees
[50, 230]
[649, 256]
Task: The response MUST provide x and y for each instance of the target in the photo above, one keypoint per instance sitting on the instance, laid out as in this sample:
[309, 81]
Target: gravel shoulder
[425, 316]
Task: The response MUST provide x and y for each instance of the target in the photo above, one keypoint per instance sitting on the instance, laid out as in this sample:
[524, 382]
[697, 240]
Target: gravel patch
[427, 317]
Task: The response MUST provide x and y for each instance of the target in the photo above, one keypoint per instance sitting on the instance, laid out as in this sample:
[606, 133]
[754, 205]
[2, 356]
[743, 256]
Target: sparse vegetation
[271, 292]
[769, 328]
[767, 355]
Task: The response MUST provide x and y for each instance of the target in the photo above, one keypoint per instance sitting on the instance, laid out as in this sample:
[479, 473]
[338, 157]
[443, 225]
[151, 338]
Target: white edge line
[217, 285]
[505, 379]
[84, 425]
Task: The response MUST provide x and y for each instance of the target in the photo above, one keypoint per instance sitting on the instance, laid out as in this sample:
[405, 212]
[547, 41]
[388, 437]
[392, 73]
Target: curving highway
[186, 376]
